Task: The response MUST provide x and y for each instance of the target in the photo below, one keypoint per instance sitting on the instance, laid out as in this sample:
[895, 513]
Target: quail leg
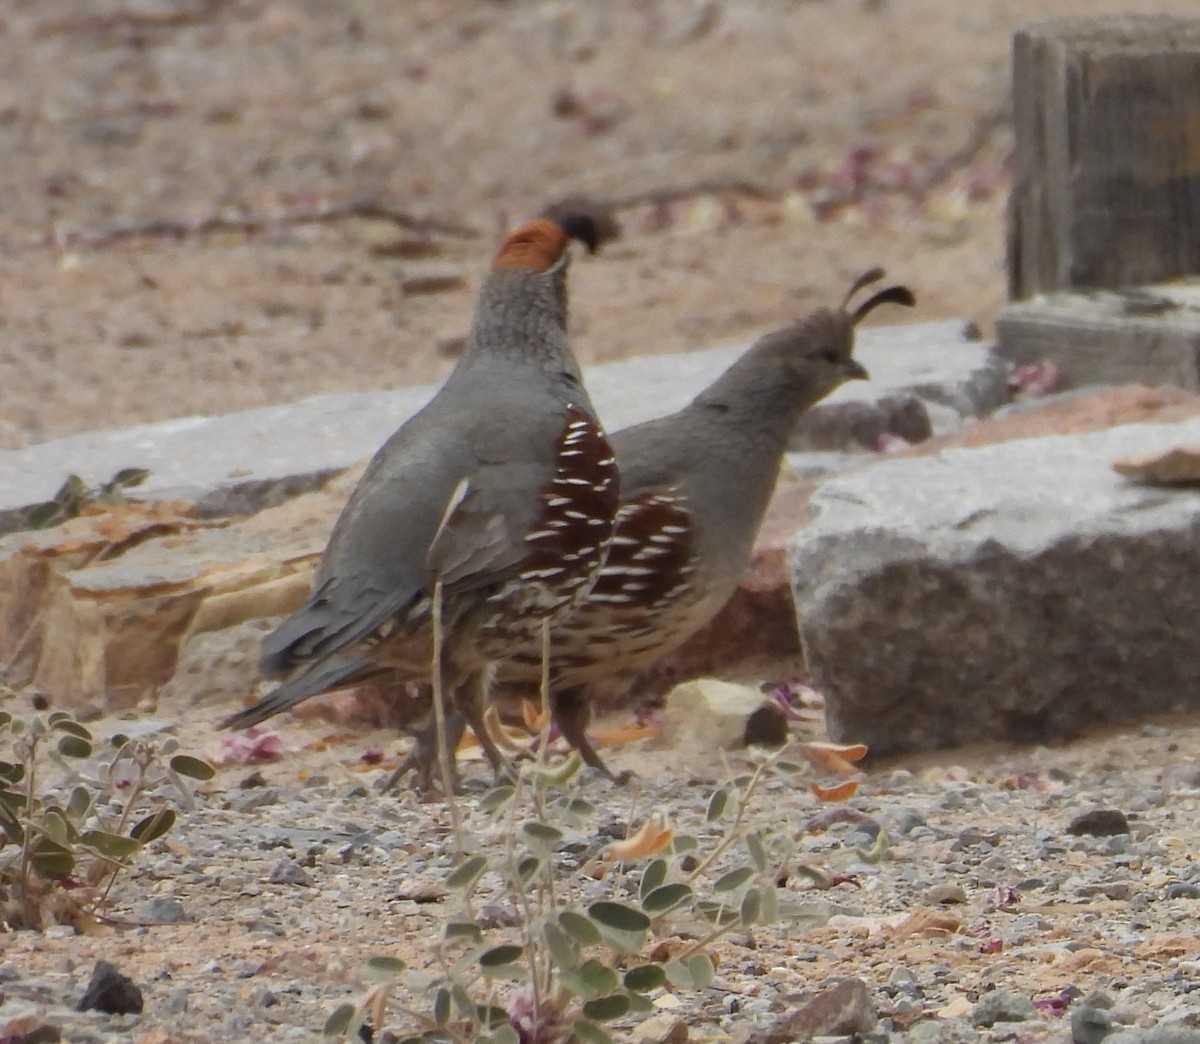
[572, 714]
[422, 760]
[473, 700]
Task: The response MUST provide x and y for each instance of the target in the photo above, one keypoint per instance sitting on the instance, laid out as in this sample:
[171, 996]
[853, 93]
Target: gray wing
[411, 516]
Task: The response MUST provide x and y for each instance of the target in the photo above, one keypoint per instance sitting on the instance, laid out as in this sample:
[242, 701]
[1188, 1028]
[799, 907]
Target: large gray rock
[924, 377]
[1018, 591]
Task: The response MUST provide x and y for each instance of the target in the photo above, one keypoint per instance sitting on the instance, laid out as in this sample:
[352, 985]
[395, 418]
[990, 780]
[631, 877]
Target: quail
[694, 488]
[504, 488]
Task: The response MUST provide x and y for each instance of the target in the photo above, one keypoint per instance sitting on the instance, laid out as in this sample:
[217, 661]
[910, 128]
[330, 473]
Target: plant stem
[732, 834]
[445, 755]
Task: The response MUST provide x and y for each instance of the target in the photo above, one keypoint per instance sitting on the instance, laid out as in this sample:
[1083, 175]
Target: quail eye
[829, 355]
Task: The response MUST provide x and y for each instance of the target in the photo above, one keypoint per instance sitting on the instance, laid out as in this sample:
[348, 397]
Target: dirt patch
[215, 204]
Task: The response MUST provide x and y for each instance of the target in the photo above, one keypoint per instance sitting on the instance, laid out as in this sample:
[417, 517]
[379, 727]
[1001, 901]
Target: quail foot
[500, 496]
[694, 488]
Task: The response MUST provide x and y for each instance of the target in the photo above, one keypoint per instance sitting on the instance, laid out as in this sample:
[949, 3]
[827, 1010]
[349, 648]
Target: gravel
[986, 920]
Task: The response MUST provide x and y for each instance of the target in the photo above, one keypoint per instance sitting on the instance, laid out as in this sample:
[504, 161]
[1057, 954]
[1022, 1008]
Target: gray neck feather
[521, 318]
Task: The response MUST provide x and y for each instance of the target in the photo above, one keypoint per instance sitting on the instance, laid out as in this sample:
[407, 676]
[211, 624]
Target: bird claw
[424, 762]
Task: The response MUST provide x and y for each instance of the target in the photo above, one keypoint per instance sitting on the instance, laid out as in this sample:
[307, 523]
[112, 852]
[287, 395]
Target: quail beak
[855, 371]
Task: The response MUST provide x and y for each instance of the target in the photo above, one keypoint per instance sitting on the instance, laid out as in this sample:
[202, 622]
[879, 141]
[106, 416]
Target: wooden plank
[1146, 336]
[1107, 137]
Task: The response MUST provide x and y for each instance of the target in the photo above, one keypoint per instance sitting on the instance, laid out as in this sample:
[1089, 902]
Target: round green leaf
[751, 906]
[80, 802]
[598, 978]
[563, 948]
[52, 862]
[644, 978]
[338, 1023]
[758, 852]
[497, 798]
[527, 869]
[604, 1009]
[733, 880]
[652, 877]
[716, 913]
[465, 1007]
[683, 843]
[11, 772]
[500, 957]
[678, 975]
[666, 898]
[467, 873]
[770, 905]
[192, 768]
[717, 804]
[582, 928]
[618, 916]
[702, 971]
[112, 846]
[464, 931]
[72, 728]
[383, 969]
[153, 826]
[542, 833]
[589, 1033]
[71, 746]
[576, 806]
[441, 1007]
[54, 824]
[640, 1004]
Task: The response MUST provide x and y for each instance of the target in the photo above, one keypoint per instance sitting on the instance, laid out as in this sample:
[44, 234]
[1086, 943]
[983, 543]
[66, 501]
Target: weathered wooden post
[1107, 120]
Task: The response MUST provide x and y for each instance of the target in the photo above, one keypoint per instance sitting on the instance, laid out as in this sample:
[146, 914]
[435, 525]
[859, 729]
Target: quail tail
[318, 679]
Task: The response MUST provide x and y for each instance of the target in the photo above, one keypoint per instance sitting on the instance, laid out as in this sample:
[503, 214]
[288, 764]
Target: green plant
[74, 495]
[59, 858]
[570, 965]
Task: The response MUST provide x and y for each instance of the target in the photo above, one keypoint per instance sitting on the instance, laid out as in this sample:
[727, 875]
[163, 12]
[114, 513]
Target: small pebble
[946, 894]
[176, 1002]
[164, 909]
[288, 872]
[1002, 1006]
[1089, 1025]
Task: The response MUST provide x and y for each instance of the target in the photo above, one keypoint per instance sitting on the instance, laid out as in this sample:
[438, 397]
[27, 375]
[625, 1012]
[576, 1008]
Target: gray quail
[504, 487]
[694, 488]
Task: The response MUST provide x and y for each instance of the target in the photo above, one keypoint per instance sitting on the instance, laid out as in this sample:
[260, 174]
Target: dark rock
[111, 992]
[1099, 822]
[767, 726]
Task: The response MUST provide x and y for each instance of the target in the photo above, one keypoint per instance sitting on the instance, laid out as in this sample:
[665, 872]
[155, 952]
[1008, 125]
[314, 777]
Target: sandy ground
[184, 182]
